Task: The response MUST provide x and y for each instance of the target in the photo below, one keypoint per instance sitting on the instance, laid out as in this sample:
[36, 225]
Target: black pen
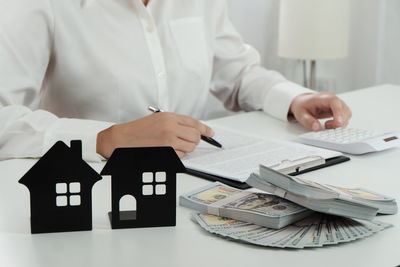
[209, 140]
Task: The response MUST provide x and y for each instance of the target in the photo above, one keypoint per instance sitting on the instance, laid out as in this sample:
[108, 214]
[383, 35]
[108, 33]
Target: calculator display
[390, 139]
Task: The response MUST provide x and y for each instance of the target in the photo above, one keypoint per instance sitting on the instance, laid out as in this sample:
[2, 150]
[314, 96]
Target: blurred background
[373, 55]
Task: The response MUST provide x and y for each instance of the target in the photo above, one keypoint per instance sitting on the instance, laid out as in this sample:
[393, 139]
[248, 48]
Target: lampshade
[314, 29]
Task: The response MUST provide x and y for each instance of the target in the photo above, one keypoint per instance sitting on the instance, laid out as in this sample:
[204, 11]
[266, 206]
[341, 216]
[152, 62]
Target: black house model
[146, 179]
[60, 186]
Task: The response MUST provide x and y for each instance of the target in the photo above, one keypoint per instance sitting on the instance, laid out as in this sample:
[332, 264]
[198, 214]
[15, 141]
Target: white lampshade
[314, 29]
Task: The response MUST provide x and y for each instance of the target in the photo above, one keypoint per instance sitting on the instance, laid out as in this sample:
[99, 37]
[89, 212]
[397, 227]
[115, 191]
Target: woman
[88, 69]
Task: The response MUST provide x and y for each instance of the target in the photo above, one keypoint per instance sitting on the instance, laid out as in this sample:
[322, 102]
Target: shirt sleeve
[238, 78]
[26, 29]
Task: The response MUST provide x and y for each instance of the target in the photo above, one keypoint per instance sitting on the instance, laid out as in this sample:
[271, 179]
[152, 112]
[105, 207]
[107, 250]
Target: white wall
[389, 61]
[360, 68]
[374, 46]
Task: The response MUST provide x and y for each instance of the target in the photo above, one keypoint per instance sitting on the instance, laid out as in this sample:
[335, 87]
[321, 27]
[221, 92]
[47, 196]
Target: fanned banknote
[316, 230]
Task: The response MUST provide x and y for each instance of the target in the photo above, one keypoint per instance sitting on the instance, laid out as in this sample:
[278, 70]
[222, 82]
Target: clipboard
[297, 170]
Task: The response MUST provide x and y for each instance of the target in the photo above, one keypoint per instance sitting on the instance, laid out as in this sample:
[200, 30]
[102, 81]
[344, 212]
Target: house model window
[154, 183]
[68, 194]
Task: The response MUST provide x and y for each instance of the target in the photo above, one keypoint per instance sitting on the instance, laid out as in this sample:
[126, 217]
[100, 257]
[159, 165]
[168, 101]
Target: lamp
[312, 30]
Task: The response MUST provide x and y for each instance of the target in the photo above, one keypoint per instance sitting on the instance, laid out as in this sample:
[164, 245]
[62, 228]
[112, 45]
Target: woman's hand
[309, 108]
[160, 129]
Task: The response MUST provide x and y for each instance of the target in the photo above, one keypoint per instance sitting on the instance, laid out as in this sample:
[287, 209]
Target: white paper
[242, 154]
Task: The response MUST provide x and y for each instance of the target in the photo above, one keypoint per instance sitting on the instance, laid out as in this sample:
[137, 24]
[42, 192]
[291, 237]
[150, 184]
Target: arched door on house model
[127, 208]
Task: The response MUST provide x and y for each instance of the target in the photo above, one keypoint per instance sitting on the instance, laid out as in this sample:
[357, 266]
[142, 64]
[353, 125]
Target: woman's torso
[113, 58]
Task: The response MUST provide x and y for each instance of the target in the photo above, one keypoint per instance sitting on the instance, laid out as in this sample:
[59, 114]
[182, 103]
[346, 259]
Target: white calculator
[352, 141]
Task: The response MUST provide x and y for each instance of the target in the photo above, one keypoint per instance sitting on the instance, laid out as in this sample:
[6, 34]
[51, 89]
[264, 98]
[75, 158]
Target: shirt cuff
[280, 97]
[75, 129]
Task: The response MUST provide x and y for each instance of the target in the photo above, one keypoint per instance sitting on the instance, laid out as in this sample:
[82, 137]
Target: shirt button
[162, 75]
[150, 27]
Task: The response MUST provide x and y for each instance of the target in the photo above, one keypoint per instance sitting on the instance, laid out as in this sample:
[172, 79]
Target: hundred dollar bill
[330, 229]
[223, 226]
[327, 234]
[264, 204]
[258, 208]
[351, 229]
[338, 233]
[356, 203]
[346, 232]
[358, 228]
[380, 225]
[308, 236]
[212, 194]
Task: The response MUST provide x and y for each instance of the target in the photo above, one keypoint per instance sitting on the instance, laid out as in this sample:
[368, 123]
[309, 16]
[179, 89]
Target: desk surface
[187, 244]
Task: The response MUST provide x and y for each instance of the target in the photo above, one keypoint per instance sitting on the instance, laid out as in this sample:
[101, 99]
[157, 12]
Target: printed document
[243, 153]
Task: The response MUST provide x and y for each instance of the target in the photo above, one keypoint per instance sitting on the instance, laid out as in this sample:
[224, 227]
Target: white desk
[187, 244]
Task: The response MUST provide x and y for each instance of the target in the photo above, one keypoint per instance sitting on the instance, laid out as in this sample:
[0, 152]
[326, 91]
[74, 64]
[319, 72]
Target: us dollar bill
[259, 208]
[317, 230]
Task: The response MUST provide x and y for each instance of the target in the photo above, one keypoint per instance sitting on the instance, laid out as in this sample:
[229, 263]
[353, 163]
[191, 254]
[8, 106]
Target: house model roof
[60, 160]
[143, 159]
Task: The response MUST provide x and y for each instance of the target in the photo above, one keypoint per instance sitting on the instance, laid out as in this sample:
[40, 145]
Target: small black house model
[147, 178]
[60, 186]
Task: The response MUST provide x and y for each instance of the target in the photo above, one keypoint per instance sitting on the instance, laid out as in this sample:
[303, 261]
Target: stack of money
[316, 230]
[258, 208]
[348, 202]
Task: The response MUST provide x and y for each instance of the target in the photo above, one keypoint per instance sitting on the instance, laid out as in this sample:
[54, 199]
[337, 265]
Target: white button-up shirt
[70, 68]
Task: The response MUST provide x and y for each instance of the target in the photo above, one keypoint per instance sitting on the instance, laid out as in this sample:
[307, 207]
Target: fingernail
[340, 119]
[315, 126]
[212, 132]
